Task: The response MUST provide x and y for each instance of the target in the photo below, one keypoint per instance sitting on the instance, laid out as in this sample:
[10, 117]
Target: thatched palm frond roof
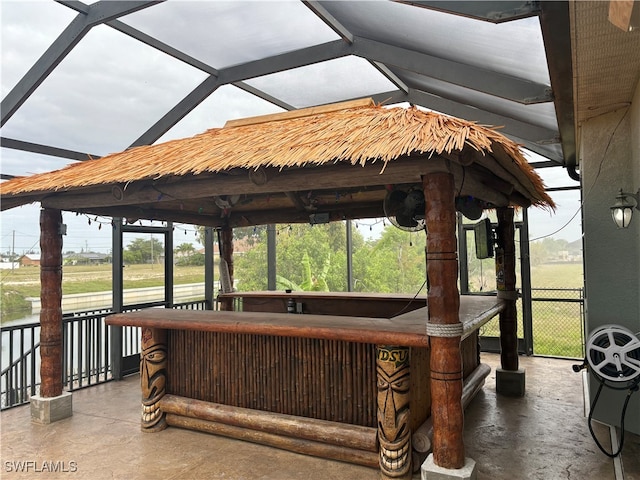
[358, 135]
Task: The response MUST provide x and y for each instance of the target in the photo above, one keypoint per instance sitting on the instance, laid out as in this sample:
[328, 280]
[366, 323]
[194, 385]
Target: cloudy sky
[110, 89]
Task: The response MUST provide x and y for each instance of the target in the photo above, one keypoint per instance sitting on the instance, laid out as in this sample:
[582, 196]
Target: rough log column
[51, 298]
[510, 379]
[226, 240]
[506, 286]
[443, 326]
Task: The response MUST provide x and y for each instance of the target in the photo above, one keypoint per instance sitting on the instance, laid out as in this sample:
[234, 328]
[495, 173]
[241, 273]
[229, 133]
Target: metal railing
[86, 353]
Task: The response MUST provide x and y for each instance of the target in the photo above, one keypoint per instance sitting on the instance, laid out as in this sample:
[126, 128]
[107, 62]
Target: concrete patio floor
[542, 435]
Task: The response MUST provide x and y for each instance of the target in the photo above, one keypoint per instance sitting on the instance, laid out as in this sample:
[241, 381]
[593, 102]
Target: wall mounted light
[622, 210]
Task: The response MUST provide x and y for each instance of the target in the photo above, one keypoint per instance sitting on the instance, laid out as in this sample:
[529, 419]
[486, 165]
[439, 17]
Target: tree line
[315, 258]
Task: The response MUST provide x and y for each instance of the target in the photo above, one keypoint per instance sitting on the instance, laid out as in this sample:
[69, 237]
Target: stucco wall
[610, 160]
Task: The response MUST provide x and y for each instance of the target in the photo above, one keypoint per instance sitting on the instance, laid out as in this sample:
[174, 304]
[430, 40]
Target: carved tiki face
[152, 376]
[393, 410]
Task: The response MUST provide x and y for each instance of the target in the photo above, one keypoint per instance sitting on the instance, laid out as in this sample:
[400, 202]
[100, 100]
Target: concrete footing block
[47, 410]
[431, 471]
[510, 382]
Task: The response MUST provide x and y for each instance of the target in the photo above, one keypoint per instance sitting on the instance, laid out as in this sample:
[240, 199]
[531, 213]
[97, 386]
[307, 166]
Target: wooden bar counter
[346, 387]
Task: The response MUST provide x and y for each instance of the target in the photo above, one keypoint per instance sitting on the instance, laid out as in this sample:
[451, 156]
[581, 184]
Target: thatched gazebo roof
[340, 159]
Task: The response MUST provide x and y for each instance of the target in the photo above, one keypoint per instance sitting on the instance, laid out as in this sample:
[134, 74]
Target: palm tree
[184, 250]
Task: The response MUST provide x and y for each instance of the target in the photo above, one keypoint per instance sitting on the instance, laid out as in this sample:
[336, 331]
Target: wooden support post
[443, 326]
[394, 434]
[510, 379]
[506, 286]
[51, 298]
[153, 371]
[226, 249]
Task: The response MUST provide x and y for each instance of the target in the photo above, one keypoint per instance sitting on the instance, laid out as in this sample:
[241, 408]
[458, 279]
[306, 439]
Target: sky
[110, 89]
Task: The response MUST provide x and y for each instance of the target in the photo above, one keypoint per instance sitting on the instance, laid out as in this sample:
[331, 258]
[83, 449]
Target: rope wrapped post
[444, 325]
[510, 379]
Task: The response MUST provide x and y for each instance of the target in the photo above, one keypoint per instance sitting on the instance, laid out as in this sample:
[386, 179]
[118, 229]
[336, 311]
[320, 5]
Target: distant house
[30, 260]
[86, 258]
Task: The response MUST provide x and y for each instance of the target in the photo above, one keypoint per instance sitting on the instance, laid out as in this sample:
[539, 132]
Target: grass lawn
[24, 282]
[557, 325]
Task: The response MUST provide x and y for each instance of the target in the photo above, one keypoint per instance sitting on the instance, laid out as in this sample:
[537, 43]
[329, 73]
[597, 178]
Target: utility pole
[13, 250]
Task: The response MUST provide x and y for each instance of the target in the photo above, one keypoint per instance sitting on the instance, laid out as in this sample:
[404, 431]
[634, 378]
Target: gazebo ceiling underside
[283, 168]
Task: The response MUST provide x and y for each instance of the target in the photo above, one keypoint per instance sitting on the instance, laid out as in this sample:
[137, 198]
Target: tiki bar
[374, 379]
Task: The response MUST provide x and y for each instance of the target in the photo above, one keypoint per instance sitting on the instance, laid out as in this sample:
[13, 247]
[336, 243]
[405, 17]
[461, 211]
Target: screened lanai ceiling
[99, 78]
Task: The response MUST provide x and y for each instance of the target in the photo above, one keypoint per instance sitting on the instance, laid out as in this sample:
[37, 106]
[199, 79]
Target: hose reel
[613, 356]
[613, 353]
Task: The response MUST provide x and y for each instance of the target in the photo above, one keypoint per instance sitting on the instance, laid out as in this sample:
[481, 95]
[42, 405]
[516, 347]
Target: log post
[506, 286]
[443, 325]
[51, 298]
[394, 434]
[510, 379]
[226, 251]
[51, 404]
[153, 371]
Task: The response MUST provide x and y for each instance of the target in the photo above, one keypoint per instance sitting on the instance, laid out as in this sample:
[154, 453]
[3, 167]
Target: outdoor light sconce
[622, 210]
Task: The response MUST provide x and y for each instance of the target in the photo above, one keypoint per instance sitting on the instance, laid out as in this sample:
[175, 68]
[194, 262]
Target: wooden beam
[336, 177]
[297, 201]
[307, 447]
[239, 219]
[340, 434]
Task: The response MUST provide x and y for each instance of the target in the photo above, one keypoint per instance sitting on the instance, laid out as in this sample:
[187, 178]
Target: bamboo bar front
[306, 383]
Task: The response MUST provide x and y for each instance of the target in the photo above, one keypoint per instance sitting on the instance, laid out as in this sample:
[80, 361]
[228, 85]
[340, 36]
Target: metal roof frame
[390, 60]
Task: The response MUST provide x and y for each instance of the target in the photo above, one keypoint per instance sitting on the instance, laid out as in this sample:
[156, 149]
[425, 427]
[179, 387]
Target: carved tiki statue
[392, 366]
[153, 369]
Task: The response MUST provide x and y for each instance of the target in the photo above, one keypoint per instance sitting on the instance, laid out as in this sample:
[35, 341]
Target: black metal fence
[555, 327]
[558, 322]
[557, 330]
[86, 353]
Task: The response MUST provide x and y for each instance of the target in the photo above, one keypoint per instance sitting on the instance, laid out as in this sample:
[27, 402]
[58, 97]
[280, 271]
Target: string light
[371, 225]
